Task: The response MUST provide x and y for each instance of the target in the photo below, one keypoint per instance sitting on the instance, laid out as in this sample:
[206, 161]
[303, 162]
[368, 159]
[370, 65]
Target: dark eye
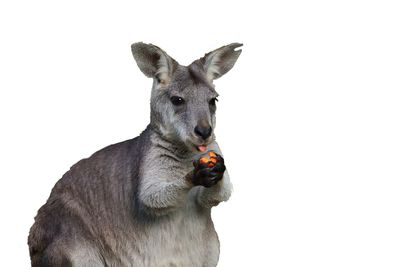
[213, 101]
[177, 101]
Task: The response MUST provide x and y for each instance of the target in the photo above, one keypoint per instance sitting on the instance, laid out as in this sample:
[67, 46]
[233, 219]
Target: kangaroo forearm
[161, 198]
[210, 197]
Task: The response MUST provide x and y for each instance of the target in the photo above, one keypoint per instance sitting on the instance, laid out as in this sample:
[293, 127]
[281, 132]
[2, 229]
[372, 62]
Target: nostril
[203, 132]
[209, 130]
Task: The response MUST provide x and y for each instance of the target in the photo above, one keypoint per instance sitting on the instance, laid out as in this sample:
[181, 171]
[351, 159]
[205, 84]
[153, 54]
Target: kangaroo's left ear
[220, 61]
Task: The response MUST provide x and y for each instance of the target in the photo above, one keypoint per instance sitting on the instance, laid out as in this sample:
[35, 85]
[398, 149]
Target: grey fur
[133, 203]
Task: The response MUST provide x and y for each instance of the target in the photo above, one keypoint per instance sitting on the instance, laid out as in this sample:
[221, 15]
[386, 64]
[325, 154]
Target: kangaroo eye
[177, 101]
[213, 101]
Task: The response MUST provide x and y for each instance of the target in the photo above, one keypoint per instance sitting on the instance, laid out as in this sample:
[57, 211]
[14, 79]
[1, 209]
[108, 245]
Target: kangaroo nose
[203, 132]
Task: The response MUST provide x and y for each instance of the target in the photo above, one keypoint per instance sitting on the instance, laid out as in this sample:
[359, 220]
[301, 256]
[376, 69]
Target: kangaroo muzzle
[203, 131]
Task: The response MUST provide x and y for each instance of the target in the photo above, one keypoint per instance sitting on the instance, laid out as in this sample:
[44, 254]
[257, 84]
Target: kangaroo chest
[183, 238]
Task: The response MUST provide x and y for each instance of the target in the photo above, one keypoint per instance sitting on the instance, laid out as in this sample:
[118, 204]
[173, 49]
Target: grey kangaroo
[145, 201]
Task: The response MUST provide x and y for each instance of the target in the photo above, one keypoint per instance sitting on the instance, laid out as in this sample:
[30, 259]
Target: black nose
[203, 132]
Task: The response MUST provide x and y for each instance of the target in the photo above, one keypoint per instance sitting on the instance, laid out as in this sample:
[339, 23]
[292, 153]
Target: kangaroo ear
[220, 61]
[154, 62]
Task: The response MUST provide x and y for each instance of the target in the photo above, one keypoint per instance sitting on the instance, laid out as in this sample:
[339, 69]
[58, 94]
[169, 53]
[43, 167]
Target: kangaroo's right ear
[154, 62]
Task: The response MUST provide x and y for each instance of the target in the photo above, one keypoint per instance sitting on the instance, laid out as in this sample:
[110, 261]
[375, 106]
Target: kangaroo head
[183, 98]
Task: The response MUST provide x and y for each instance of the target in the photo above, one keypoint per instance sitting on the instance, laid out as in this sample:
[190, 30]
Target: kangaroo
[145, 201]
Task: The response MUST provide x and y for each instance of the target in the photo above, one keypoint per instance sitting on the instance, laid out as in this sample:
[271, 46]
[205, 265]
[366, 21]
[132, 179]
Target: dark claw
[219, 167]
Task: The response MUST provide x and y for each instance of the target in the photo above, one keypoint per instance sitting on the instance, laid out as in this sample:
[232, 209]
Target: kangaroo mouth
[200, 145]
[201, 148]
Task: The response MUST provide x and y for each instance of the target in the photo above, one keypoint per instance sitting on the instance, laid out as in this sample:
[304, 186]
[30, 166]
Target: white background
[308, 119]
